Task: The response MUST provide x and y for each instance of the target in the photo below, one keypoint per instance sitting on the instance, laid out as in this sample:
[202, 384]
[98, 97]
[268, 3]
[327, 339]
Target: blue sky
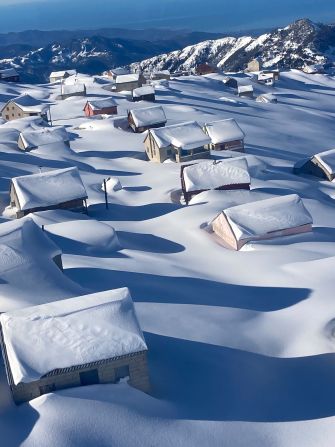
[205, 15]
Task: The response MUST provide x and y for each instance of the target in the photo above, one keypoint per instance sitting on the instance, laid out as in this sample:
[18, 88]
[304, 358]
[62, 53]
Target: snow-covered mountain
[302, 42]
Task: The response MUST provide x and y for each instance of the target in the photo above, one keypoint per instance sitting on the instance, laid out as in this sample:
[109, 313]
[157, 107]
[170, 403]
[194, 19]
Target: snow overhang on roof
[186, 136]
[224, 131]
[99, 104]
[148, 116]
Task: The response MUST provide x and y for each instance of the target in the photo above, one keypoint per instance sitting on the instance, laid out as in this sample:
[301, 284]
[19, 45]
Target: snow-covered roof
[41, 137]
[62, 73]
[28, 104]
[327, 160]
[245, 88]
[267, 97]
[70, 332]
[266, 216]
[49, 188]
[211, 174]
[185, 136]
[147, 116]
[68, 89]
[119, 71]
[105, 103]
[224, 131]
[143, 91]
[132, 77]
[7, 73]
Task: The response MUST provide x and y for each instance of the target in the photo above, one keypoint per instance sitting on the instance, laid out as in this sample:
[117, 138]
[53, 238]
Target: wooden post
[106, 197]
[50, 118]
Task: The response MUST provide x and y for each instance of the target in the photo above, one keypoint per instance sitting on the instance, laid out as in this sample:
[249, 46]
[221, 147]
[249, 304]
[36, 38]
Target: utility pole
[106, 197]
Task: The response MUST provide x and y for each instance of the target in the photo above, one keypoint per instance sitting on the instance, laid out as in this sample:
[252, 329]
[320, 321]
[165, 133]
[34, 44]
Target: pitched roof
[41, 137]
[104, 103]
[132, 77]
[211, 174]
[327, 160]
[49, 188]
[185, 136]
[143, 91]
[62, 73]
[224, 131]
[245, 88]
[68, 89]
[147, 116]
[71, 332]
[28, 104]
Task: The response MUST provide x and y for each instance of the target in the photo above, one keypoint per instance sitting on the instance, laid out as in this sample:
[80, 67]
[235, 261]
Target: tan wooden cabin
[57, 189]
[262, 220]
[254, 65]
[129, 82]
[225, 135]
[57, 76]
[99, 341]
[225, 174]
[179, 143]
[24, 106]
[321, 165]
[146, 118]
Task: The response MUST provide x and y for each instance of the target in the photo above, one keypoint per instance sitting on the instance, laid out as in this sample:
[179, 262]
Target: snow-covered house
[254, 65]
[225, 135]
[24, 106]
[228, 174]
[245, 91]
[76, 89]
[230, 82]
[274, 72]
[9, 75]
[119, 71]
[56, 76]
[128, 82]
[146, 118]
[162, 74]
[205, 68]
[33, 139]
[267, 98]
[321, 165]
[105, 106]
[266, 79]
[60, 188]
[262, 220]
[179, 142]
[145, 93]
[86, 340]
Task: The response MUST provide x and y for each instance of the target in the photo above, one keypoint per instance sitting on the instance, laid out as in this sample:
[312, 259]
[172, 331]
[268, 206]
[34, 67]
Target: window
[90, 377]
[7, 109]
[7, 117]
[13, 114]
[122, 371]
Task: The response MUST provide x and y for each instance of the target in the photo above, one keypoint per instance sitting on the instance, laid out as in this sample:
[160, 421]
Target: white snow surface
[187, 136]
[41, 137]
[132, 77]
[142, 91]
[327, 159]
[245, 88]
[224, 131]
[267, 216]
[70, 332]
[211, 175]
[240, 344]
[147, 116]
[68, 89]
[49, 188]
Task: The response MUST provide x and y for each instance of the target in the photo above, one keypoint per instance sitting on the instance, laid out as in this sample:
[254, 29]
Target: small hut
[162, 74]
[119, 71]
[230, 82]
[179, 142]
[24, 106]
[69, 90]
[33, 139]
[57, 76]
[105, 106]
[262, 220]
[146, 118]
[205, 69]
[225, 135]
[227, 174]
[266, 79]
[321, 165]
[267, 98]
[145, 93]
[129, 82]
[254, 65]
[245, 91]
[274, 72]
[99, 340]
[9, 75]
[57, 189]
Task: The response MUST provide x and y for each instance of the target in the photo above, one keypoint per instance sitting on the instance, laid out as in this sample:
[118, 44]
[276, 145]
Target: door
[90, 377]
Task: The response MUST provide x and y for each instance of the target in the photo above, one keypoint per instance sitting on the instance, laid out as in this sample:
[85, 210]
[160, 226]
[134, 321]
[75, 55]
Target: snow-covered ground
[241, 344]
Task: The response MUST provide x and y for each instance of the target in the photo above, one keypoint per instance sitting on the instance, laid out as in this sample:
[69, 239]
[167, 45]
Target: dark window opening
[89, 377]
[121, 372]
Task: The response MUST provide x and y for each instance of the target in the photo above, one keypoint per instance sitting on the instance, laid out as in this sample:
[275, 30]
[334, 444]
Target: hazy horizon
[220, 15]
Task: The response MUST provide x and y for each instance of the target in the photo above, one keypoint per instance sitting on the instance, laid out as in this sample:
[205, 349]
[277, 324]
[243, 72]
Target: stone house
[179, 142]
[146, 118]
[57, 189]
[262, 220]
[225, 174]
[321, 165]
[225, 135]
[105, 106]
[99, 341]
[24, 106]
